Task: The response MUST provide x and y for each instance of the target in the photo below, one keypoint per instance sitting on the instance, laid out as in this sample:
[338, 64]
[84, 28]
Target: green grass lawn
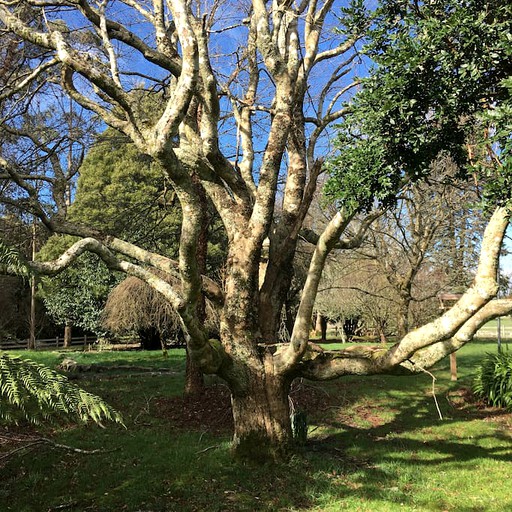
[376, 445]
[490, 329]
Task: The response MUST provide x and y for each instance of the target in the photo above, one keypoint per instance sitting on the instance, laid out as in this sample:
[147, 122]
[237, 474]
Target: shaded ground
[211, 410]
[465, 402]
[376, 444]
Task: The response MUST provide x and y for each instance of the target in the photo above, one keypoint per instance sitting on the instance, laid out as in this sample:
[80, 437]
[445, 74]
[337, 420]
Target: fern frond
[33, 392]
[12, 262]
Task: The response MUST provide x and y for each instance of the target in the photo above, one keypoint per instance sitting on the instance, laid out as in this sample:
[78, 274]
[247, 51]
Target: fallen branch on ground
[38, 441]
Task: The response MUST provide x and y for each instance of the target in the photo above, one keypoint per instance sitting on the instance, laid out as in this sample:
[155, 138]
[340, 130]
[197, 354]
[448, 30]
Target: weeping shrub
[493, 381]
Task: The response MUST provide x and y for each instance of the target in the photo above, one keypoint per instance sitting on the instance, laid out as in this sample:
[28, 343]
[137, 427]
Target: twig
[433, 389]
[72, 448]
[44, 440]
[207, 449]
[64, 505]
[19, 449]
[144, 410]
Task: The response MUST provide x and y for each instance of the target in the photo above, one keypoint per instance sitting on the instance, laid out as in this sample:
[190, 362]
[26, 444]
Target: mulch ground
[211, 410]
[465, 402]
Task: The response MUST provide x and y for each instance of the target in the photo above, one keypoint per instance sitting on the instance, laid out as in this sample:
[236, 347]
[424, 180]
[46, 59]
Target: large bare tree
[427, 244]
[245, 106]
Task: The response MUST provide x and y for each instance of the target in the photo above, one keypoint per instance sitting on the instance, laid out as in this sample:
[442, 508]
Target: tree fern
[11, 261]
[33, 392]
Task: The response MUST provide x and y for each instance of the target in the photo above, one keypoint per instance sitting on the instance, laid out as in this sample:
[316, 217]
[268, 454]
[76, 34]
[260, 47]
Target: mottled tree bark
[194, 380]
[261, 414]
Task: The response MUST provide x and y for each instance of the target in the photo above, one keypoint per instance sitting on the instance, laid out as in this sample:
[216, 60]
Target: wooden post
[453, 366]
[447, 301]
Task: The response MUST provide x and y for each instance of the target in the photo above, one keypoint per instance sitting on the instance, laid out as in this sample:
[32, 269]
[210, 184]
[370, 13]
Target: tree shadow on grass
[383, 454]
[375, 441]
[364, 455]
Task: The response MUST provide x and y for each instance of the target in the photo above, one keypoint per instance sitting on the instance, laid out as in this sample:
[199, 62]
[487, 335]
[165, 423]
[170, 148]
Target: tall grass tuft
[493, 381]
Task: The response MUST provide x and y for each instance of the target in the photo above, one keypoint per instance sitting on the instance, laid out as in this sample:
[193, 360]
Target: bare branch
[434, 353]
[31, 77]
[162, 263]
[114, 71]
[167, 57]
[266, 44]
[299, 339]
[353, 241]
[483, 289]
[340, 50]
[208, 357]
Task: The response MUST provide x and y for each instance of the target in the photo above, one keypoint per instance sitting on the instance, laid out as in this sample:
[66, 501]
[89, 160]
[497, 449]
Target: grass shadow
[376, 444]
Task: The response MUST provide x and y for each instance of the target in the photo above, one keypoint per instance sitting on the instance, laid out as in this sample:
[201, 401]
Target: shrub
[493, 381]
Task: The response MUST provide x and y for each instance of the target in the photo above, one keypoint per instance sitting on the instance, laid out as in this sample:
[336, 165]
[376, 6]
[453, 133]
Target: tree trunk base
[261, 416]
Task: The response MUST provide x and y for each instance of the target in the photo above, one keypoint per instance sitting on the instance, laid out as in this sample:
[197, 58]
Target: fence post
[453, 366]
[57, 341]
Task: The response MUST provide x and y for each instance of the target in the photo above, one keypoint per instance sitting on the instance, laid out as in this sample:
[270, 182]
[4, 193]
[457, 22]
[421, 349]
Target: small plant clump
[493, 381]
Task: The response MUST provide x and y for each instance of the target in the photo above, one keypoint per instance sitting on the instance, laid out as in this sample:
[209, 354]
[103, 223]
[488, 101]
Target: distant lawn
[375, 444]
[490, 330]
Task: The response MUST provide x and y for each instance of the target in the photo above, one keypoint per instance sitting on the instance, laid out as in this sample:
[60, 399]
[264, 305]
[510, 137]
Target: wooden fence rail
[56, 342]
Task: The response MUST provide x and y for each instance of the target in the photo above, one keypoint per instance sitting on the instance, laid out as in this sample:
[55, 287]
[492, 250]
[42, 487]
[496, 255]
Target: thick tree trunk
[343, 332]
[261, 414]
[273, 296]
[321, 326]
[150, 339]
[316, 330]
[403, 318]
[401, 330]
[194, 380]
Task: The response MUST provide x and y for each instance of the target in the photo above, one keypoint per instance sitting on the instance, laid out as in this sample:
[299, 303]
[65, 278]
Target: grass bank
[375, 444]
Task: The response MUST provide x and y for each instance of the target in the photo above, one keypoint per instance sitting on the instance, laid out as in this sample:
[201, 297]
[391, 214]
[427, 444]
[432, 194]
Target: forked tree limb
[425, 346]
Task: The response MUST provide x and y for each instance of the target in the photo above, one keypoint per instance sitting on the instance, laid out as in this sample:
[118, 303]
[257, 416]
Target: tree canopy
[440, 85]
[124, 193]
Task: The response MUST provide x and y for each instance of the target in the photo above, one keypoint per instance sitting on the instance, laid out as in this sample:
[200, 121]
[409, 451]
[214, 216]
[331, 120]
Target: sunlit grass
[379, 446]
